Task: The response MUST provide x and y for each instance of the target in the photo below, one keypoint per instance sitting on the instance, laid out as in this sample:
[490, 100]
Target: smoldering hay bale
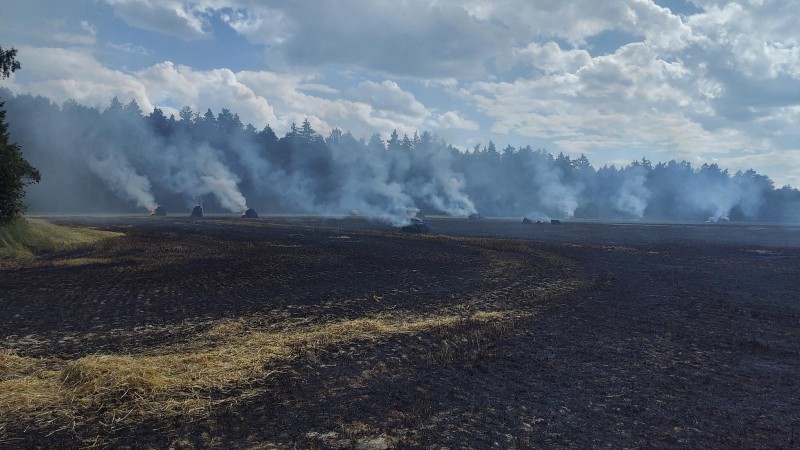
[416, 226]
[197, 211]
[159, 212]
[527, 221]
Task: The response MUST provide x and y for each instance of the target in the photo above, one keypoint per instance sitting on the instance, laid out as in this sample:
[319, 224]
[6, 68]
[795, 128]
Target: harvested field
[318, 333]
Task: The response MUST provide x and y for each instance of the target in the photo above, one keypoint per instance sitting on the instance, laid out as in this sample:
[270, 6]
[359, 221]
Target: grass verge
[25, 238]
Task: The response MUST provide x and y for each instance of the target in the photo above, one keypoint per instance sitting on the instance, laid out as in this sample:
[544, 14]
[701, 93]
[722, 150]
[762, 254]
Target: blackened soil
[678, 335]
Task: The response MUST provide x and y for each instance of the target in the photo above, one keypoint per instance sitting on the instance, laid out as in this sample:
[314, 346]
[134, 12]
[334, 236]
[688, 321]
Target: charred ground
[493, 333]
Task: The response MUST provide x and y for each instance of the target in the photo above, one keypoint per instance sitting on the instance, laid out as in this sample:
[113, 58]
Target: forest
[121, 159]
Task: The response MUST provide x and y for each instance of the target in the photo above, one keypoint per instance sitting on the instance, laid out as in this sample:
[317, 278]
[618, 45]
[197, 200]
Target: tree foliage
[8, 62]
[15, 171]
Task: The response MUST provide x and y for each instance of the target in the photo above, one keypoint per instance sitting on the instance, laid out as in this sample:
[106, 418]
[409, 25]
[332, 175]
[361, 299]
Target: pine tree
[306, 132]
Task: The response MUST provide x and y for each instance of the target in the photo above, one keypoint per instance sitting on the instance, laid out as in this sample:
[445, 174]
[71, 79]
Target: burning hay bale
[159, 212]
[555, 222]
[475, 216]
[197, 211]
[250, 214]
[527, 221]
[416, 226]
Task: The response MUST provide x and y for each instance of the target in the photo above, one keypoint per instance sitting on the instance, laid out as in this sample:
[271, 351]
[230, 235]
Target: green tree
[407, 144]
[393, 144]
[8, 62]
[376, 144]
[307, 134]
[186, 114]
[15, 171]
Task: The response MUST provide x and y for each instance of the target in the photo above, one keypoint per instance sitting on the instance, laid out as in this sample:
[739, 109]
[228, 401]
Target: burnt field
[319, 333]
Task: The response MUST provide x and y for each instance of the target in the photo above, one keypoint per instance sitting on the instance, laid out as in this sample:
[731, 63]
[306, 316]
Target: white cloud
[89, 28]
[259, 24]
[184, 20]
[87, 35]
[259, 97]
[577, 20]
[761, 40]
[286, 92]
[390, 98]
[63, 74]
[552, 59]
[708, 85]
[128, 48]
[214, 89]
[630, 99]
[453, 120]
[418, 38]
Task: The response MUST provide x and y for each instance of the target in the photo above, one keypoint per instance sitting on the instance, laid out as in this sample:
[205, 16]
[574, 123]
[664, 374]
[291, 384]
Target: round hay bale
[250, 214]
[416, 226]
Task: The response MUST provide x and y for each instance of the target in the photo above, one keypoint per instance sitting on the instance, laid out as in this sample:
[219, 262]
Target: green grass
[25, 238]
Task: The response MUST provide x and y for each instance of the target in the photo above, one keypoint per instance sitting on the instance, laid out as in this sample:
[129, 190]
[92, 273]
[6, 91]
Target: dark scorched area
[639, 335]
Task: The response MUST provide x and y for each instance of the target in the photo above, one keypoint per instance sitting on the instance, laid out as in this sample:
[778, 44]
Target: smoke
[197, 172]
[445, 193]
[436, 182]
[223, 164]
[120, 176]
[556, 196]
[633, 196]
[713, 195]
[292, 191]
[366, 183]
[717, 202]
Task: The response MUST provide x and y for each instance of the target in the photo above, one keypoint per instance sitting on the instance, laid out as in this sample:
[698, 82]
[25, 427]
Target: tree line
[304, 171]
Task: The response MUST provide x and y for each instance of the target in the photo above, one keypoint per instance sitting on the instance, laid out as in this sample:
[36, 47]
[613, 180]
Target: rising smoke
[118, 159]
[120, 176]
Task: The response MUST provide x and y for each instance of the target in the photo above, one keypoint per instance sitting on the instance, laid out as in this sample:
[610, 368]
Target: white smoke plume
[553, 193]
[439, 184]
[215, 178]
[632, 196]
[366, 185]
[120, 176]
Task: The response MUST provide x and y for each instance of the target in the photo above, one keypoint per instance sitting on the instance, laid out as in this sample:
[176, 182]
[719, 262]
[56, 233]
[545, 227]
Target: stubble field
[320, 333]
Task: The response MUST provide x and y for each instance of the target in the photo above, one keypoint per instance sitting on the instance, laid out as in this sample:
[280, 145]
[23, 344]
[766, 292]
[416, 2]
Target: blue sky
[700, 80]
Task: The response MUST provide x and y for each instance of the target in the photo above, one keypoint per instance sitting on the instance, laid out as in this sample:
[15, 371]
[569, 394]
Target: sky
[706, 81]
